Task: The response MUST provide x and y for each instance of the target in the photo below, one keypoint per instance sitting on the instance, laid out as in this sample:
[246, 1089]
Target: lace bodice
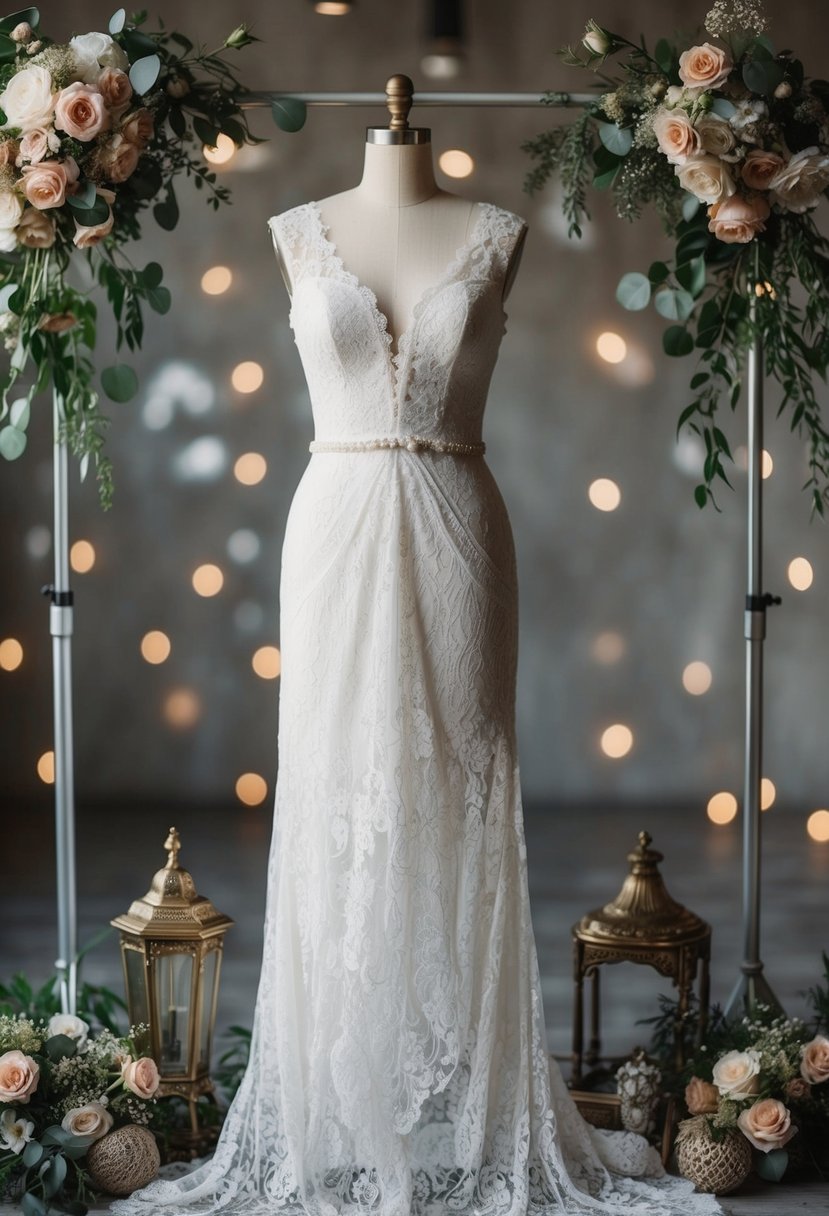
[436, 384]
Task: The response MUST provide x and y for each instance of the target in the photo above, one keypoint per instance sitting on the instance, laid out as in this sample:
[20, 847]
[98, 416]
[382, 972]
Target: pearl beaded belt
[412, 443]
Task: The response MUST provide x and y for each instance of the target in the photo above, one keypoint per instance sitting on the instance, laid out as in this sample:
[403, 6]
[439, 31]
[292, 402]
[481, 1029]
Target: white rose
[800, 183]
[95, 51]
[737, 1074]
[15, 1133]
[674, 94]
[11, 208]
[8, 240]
[91, 1121]
[716, 135]
[707, 178]
[29, 98]
[72, 1027]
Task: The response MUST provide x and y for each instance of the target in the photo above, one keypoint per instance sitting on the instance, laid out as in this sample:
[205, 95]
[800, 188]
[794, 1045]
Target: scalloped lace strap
[300, 242]
[499, 233]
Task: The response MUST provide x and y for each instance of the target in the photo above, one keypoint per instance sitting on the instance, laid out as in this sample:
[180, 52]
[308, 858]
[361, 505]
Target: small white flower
[15, 1133]
[73, 1027]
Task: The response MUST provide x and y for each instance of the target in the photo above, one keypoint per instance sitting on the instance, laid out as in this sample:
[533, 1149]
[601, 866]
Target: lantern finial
[173, 846]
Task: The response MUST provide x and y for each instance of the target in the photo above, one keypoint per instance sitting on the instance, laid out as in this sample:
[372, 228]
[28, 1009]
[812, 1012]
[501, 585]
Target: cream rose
[767, 1124]
[80, 111]
[737, 1074]
[118, 158]
[676, 135]
[9, 149]
[701, 1097]
[716, 135]
[90, 234]
[814, 1063]
[737, 220]
[37, 144]
[94, 51]
[797, 1090]
[45, 184]
[36, 229]
[138, 128]
[760, 167]
[704, 67]
[66, 1023]
[15, 1133]
[707, 178]
[29, 98]
[141, 1076]
[11, 208]
[90, 1121]
[115, 88]
[800, 183]
[18, 1076]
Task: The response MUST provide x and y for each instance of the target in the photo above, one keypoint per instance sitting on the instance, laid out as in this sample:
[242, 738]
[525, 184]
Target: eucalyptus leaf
[137, 44]
[6, 294]
[665, 56]
[32, 1153]
[12, 442]
[677, 341]
[615, 138]
[166, 213]
[19, 413]
[84, 467]
[289, 113]
[723, 108]
[700, 496]
[144, 73]
[658, 272]
[55, 1175]
[8, 49]
[20, 357]
[88, 217]
[117, 20]
[692, 276]
[85, 197]
[674, 304]
[634, 291]
[32, 1205]
[772, 1165]
[119, 382]
[159, 299]
[207, 132]
[604, 180]
[60, 1047]
[762, 76]
[32, 15]
[152, 274]
[177, 121]
[690, 206]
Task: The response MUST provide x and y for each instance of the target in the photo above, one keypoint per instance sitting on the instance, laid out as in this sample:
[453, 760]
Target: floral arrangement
[92, 133]
[61, 1090]
[729, 141]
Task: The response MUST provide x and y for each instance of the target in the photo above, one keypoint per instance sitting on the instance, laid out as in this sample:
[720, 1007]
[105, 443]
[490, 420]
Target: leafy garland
[730, 144]
[92, 133]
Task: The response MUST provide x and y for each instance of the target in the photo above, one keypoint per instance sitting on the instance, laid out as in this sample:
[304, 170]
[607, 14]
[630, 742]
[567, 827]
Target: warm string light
[616, 741]
[250, 468]
[46, 768]
[768, 793]
[608, 647]
[817, 826]
[722, 807]
[208, 580]
[11, 654]
[216, 280]
[267, 662]
[82, 556]
[604, 494]
[221, 152]
[456, 163]
[251, 789]
[611, 347]
[800, 572]
[155, 647]
[696, 678]
[182, 708]
[247, 377]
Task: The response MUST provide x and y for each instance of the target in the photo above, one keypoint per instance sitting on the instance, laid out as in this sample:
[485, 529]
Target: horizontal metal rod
[256, 99]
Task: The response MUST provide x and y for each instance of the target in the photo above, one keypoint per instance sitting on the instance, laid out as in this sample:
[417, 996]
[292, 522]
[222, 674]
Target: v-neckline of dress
[396, 359]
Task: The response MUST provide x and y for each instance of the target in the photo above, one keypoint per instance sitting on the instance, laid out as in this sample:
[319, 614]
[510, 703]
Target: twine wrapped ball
[715, 1166]
[124, 1160]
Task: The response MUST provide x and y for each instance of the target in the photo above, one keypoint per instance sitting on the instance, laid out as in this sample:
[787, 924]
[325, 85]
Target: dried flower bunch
[730, 142]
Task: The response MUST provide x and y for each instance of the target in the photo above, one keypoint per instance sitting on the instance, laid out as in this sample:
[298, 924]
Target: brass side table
[641, 925]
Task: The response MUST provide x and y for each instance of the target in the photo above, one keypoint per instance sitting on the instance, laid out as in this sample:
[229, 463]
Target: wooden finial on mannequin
[399, 95]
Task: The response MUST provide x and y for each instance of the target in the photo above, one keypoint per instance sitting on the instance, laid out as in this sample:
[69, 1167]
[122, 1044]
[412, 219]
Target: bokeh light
[250, 468]
[182, 708]
[611, 347]
[604, 494]
[616, 740]
[11, 654]
[267, 662]
[247, 377]
[220, 152]
[82, 556]
[251, 789]
[722, 807]
[817, 825]
[768, 793]
[216, 280]
[46, 768]
[801, 574]
[155, 646]
[696, 678]
[608, 647]
[208, 580]
[455, 163]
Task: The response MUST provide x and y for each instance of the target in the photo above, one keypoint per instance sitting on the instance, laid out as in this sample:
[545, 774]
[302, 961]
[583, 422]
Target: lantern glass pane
[137, 1002]
[211, 960]
[174, 980]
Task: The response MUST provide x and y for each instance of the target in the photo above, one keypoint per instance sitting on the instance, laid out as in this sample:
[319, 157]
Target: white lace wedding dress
[399, 1062]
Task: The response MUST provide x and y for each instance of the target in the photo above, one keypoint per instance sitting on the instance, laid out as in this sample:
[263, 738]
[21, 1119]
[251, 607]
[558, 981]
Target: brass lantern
[171, 944]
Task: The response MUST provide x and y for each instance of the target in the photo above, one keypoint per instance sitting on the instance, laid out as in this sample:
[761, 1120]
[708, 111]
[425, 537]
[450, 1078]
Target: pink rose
[117, 159]
[767, 1124]
[90, 234]
[737, 220]
[704, 67]
[18, 1077]
[701, 1097]
[37, 144]
[115, 88]
[760, 167]
[45, 184]
[814, 1063]
[676, 135]
[138, 128]
[80, 111]
[141, 1076]
[36, 229]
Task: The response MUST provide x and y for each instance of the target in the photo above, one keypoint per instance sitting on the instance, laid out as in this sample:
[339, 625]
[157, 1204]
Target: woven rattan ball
[124, 1160]
[715, 1166]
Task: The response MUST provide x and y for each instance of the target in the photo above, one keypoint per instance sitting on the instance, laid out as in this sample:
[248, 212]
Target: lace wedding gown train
[399, 1062]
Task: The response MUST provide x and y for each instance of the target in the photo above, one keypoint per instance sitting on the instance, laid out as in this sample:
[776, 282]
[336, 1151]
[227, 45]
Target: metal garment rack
[751, 985]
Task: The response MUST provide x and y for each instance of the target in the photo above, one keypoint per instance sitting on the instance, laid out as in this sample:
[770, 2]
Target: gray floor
[576, 859]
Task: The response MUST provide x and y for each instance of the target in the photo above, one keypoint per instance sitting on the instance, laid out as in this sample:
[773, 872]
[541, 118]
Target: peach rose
[701, 1097]
[704, 67]
[90, 1121]
[138, 128]
[44, 184]
[737, 220]
[36, 229]
[118, 158]
[141, 1076]
[9, 149]
[797, 1090]
[707, 178]
[18, 1076]
[91, 234]
[767, 1124]
[760, 167]
[800, 183]
[737, 1074]
[115, 88]
[37, 144]
[80, 111]
[676, 135]
[814, 1063]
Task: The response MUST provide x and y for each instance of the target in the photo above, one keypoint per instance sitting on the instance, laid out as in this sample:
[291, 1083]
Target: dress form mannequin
[397, 230]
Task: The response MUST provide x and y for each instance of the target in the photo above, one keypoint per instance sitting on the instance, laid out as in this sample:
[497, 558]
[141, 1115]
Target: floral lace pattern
[398, 1062]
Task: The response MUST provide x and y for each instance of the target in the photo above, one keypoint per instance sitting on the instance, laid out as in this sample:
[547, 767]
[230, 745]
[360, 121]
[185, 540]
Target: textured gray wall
[668, 578]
